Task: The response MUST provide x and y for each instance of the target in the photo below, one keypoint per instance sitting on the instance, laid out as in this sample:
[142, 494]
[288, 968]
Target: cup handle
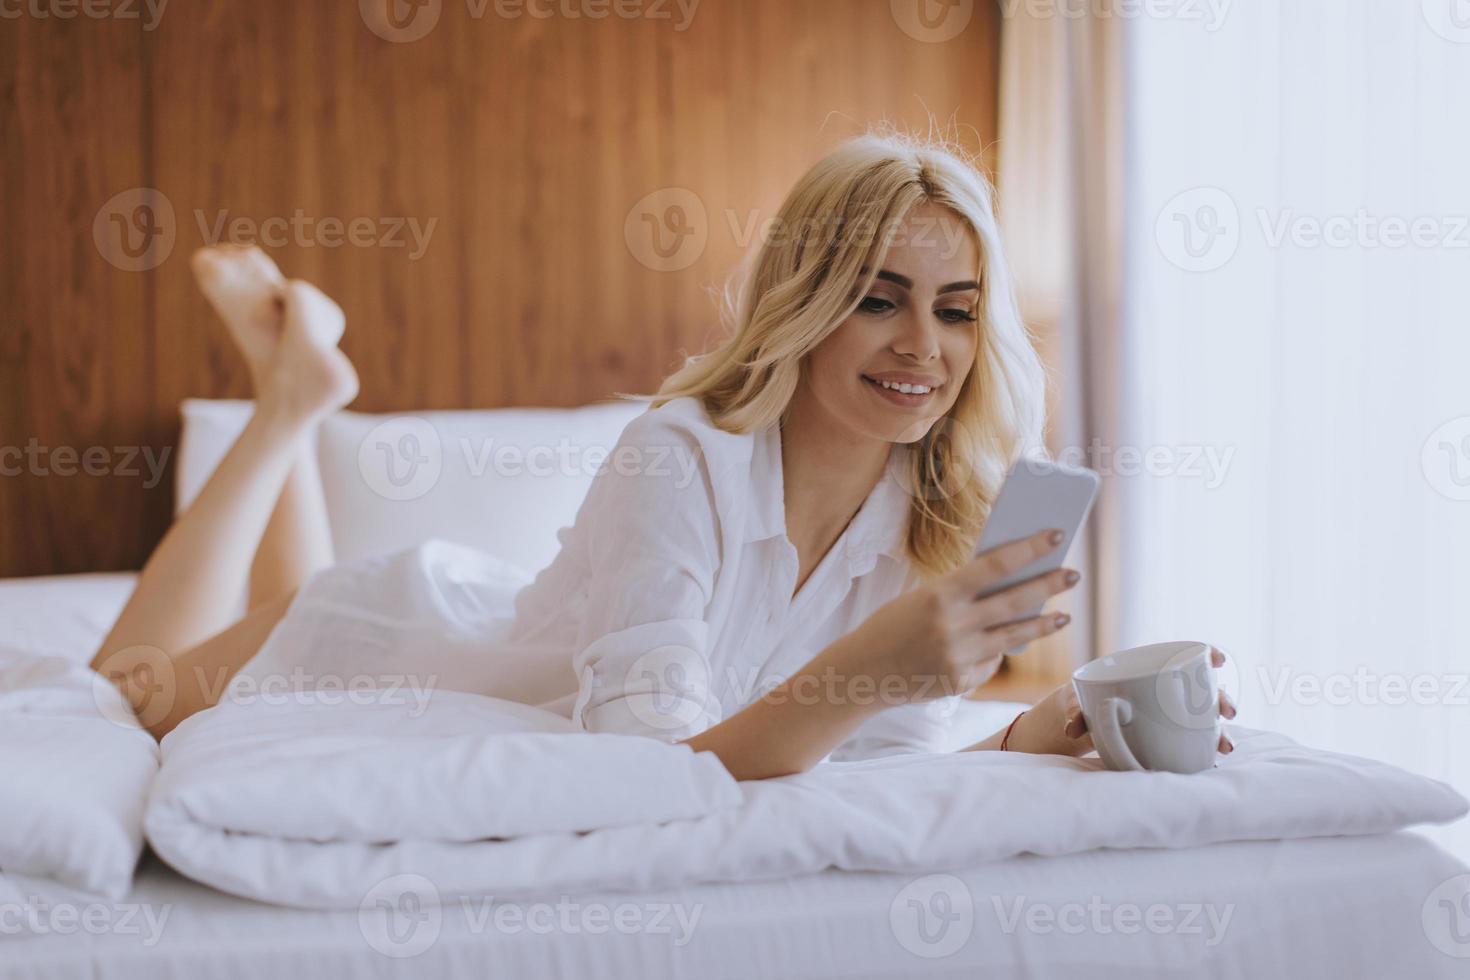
[1116, 712]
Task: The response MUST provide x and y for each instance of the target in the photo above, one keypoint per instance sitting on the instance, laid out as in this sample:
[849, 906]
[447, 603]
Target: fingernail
[1071, 578]
[1062, 619]
[1055, 537]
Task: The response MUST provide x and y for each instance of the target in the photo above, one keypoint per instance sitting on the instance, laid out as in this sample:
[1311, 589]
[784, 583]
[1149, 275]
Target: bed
[1365, 905]
[1346, 906]
[1319, 907]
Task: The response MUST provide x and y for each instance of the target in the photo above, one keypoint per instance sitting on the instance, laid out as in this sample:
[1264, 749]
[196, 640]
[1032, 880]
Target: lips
[893, 392]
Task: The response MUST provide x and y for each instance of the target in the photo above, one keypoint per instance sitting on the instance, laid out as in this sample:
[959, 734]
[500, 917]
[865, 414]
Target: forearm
[794, 726]
[989, 744]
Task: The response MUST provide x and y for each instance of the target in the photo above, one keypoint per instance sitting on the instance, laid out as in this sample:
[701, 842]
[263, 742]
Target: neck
[828, 471]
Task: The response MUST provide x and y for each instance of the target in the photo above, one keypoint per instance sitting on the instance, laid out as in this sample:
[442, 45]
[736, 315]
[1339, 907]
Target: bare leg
[244, 287]
[165, 688]
[298, 538]
[187, 591]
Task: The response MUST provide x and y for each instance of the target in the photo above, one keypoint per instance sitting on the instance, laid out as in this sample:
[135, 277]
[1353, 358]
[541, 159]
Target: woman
[808, 593]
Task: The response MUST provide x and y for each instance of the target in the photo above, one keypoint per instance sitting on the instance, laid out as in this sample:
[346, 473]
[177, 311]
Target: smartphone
[1038, 494]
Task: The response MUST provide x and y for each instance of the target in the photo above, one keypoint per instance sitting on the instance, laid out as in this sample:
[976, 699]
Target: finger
[1024, 631]
[1227, 706]
[1226, 746]
[1076, 725]
[1217, 657]
[1018, 599]
[993, 565]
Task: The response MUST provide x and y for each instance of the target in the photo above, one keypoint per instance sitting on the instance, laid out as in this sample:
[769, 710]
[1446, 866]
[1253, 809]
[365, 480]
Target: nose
[916, 336]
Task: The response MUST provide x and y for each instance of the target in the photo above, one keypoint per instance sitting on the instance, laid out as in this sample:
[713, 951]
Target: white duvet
[322, 801]
[75, 770]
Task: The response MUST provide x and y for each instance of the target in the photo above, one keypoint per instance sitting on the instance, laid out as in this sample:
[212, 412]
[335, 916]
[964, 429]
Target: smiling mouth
[902, 393]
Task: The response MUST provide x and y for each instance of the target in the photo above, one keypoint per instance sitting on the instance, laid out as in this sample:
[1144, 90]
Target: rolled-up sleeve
[643, 665]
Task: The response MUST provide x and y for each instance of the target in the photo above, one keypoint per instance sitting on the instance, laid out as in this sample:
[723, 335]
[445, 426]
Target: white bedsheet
[1358, 907]
[316, 801]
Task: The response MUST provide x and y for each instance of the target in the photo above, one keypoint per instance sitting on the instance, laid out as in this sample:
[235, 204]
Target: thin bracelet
[1007, 736]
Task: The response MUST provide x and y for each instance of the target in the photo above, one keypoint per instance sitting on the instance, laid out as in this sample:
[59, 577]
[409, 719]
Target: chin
[915, 430]
[895, 426]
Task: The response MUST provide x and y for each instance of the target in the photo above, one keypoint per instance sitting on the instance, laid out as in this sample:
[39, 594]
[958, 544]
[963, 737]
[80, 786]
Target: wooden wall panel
[526, 141]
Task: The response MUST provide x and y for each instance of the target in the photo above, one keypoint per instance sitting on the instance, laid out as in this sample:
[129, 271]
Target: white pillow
[500, 480]
[77, 769]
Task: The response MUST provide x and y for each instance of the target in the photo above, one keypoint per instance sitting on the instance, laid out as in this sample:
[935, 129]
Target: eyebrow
[963, 285]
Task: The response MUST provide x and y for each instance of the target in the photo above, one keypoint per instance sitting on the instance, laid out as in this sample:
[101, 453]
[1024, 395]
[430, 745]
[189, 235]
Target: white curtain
[1061, 191]
[1297, 361]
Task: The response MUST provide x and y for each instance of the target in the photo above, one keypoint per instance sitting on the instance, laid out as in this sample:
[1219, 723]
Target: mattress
[1349, 907]
[1346, 906]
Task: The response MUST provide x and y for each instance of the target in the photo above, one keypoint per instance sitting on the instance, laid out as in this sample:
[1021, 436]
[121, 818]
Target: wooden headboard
[474, 198]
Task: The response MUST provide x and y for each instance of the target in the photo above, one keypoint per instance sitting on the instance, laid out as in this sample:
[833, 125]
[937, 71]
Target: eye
[953, 315]
[875, 304]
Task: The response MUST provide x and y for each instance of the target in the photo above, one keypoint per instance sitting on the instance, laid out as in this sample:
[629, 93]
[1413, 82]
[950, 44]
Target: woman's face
[917, 327]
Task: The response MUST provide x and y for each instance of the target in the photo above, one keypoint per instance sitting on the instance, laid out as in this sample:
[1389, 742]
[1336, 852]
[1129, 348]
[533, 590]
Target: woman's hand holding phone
[947, 636]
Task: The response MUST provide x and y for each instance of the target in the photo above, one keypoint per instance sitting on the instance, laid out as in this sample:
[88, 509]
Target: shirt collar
[880, 526]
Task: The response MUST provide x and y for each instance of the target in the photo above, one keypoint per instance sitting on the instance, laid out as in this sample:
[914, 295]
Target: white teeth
[907, 389]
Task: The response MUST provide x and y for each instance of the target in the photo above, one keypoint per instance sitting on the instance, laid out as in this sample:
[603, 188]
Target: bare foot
[245, 289]
[308, 377]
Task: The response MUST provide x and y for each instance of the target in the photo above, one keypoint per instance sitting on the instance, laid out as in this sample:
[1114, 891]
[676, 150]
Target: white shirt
[673, 587]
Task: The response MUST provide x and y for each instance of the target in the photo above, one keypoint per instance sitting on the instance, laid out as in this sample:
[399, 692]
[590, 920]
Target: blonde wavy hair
[800, 285]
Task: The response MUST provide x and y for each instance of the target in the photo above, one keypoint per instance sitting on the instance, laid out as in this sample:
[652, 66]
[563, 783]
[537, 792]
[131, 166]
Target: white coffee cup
[1152, 707]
